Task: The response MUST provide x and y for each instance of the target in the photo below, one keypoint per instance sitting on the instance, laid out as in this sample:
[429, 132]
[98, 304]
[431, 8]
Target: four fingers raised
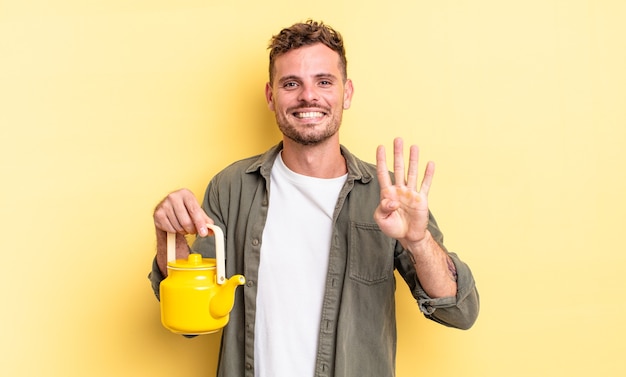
[411, 179]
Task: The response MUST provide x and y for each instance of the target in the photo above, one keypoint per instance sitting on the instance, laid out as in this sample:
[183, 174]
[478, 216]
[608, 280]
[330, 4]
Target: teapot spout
[223, 301]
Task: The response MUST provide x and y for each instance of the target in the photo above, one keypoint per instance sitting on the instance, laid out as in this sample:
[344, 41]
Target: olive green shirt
[357, 335]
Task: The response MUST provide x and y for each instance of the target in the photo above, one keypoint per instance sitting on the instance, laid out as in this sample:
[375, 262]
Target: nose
[308, 93]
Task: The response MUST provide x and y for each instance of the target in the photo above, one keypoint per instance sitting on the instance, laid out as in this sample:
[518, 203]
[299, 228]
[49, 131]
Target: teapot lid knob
[194, 259]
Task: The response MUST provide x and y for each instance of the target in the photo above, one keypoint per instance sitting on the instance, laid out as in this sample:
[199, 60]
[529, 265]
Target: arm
[459, 311]
[434, 267]
[403, 214]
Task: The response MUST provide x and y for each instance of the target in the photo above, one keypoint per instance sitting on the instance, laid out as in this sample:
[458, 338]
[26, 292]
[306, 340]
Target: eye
[290, 84]
[326, 83]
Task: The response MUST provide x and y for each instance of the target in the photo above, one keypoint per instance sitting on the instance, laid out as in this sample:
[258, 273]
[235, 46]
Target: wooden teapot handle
[219, 251]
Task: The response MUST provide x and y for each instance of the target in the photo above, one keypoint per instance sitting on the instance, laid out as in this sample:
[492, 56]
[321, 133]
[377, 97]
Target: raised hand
[403, 209]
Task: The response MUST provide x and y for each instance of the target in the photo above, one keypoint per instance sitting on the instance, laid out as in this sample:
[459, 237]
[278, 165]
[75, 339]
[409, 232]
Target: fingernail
[203, 232]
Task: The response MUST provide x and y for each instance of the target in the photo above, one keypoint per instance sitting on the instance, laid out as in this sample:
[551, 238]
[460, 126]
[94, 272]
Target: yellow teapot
[196, 297]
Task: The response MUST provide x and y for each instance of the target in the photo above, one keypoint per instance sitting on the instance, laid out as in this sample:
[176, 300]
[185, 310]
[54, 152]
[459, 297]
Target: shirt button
[250, 283]
[255, 242]
[248, 366]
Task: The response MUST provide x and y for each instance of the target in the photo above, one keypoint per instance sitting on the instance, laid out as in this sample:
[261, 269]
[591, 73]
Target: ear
[269, 96]
[348, 91]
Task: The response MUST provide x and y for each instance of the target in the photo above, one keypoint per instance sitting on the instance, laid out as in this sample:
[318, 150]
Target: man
[317, 233]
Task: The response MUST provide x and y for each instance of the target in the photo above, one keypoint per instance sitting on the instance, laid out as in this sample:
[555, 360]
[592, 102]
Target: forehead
[308, 61]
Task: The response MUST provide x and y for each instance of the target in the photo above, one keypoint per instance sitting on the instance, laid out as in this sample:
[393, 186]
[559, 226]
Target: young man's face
[308, 94]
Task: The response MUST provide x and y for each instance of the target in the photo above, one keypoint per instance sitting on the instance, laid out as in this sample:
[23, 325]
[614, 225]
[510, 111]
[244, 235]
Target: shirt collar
[357, 169]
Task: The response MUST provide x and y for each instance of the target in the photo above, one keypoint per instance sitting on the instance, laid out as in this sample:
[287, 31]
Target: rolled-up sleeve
[459, 311]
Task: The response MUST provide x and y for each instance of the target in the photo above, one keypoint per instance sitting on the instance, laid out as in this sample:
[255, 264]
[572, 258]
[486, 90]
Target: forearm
[435, 269]
[182, 249]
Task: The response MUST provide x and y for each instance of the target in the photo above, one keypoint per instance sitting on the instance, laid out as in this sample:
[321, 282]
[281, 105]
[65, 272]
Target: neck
[321, 160]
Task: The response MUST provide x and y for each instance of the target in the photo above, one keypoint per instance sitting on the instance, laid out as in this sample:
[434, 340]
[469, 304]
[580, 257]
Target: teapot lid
[193, 261]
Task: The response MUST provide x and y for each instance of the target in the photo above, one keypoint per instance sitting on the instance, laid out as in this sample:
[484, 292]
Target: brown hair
[306, 34]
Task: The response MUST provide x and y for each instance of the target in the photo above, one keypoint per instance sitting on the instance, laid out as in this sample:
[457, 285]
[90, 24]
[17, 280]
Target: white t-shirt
[292, 272]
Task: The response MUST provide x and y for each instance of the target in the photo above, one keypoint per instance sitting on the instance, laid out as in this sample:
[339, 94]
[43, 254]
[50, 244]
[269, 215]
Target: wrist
[419, 246]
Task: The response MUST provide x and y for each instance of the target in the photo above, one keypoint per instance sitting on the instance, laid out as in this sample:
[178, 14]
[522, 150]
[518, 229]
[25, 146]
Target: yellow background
[105, 106]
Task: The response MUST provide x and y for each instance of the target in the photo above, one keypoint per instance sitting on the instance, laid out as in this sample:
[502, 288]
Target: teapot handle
[219, 251]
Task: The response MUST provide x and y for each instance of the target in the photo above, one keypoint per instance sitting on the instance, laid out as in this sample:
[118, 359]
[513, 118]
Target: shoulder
[237, 171]
[251, 168]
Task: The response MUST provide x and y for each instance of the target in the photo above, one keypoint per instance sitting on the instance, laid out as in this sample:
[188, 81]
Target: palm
[403, 211]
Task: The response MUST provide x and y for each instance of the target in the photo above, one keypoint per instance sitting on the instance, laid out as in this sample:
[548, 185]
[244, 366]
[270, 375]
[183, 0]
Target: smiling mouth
[309, 114]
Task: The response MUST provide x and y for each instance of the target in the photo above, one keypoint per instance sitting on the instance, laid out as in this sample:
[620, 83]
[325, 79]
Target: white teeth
[312, 114]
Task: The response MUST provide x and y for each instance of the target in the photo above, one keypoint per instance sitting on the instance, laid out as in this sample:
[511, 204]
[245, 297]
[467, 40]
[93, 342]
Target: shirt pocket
[370, 254]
